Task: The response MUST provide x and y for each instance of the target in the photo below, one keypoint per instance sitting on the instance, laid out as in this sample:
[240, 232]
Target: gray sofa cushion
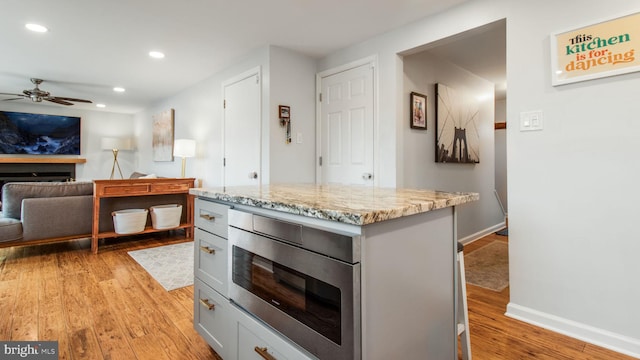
[51, 217]
[10, 229]
[14, 192]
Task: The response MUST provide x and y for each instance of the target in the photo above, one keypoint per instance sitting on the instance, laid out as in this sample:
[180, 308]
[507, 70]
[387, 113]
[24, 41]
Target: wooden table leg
[96, 223]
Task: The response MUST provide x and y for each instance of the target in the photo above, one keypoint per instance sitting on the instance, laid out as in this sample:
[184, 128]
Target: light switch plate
[531, 120]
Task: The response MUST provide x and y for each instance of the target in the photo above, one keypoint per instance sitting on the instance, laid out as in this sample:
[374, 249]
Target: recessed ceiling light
[118, 89]
[156, 54]
[101, 105]
[36, 28]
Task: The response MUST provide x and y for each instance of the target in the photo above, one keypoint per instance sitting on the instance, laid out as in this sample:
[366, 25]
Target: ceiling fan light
[156, 54]
[36, 28]
[101, 105]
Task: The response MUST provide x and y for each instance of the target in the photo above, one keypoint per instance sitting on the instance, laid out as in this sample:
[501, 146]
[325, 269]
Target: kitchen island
[404, 253]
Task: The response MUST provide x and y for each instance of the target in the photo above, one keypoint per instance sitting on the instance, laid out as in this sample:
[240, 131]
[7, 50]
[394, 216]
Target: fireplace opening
[15, 172]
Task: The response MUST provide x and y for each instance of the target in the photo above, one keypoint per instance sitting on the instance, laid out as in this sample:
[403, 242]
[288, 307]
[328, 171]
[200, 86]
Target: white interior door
[347, 127]
[242, 130]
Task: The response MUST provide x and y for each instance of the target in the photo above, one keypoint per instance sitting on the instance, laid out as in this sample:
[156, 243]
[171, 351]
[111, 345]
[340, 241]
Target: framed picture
[418, 115]
[457, 137]
[598, 50]
[284, 111]
[162, 145]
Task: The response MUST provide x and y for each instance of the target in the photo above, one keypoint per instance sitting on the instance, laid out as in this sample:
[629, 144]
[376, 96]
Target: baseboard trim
[482, 233]
[596, 336]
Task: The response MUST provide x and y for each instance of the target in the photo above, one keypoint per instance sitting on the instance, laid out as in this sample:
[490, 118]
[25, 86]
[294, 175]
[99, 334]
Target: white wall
[287, 79]
[422, 71]
[572, 198]
[94, 125]
[292, 84]
[572, 186]
[198, 115]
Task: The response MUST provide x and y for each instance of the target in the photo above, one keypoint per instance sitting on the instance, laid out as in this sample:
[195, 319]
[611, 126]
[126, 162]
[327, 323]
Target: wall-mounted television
[39, 134]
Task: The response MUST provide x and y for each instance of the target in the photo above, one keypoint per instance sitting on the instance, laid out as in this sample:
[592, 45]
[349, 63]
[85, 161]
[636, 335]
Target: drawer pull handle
[207, 304]
[262, 351]
[207, 217]
[208, 250]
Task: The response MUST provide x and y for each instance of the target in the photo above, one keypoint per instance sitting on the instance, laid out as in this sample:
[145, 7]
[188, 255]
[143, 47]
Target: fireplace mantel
[38, 169]
[41, 160]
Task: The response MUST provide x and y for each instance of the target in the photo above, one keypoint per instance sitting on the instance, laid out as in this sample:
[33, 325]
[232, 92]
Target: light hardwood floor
[106, 306]
[101, 306]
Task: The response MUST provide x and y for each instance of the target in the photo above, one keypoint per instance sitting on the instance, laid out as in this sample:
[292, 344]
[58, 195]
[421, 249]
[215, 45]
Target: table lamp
[115, 145]
[184, 148]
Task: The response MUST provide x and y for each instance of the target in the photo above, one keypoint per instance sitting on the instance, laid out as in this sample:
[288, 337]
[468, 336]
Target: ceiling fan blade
[37, 95]
[20, 98]
[58, 101]
[72, 99]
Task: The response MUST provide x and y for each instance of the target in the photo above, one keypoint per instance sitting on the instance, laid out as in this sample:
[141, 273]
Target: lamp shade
[115, 143]
[184, 148]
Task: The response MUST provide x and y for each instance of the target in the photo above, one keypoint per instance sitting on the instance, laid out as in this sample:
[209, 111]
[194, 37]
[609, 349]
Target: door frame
[373, 62]
[255, 71]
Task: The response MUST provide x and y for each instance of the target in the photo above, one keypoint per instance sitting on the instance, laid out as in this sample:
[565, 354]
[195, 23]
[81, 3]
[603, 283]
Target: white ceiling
[94, 45]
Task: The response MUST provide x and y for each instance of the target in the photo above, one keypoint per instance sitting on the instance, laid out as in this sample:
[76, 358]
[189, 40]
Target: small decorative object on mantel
[418, 118]
[457, 138]
[285, 120]
[602, 49]
[163, 136]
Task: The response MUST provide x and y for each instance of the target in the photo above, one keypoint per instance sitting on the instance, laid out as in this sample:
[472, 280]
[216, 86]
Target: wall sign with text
[594, 51]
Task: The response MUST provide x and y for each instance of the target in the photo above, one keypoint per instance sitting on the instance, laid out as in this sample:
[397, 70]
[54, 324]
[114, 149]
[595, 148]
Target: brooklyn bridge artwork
[457, 138]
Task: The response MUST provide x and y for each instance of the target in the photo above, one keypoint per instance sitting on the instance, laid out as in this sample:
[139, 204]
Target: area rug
[488, 266]
[170, 265]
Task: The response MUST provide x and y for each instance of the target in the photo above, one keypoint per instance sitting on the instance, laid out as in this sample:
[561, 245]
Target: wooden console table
[127, 193]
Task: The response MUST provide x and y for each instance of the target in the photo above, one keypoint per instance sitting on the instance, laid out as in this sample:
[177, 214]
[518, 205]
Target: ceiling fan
[37, 95]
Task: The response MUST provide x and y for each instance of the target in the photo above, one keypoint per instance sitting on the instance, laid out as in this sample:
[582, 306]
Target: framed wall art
[418, 106]
[457, 137]
[602, 49]
[162, 144]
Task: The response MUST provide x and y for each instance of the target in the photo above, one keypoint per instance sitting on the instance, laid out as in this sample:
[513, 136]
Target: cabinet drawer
[254, 337]
[212, 318]
[168, 188]
[125, 190]
[212, 217]
[211, 260]
[250, 345]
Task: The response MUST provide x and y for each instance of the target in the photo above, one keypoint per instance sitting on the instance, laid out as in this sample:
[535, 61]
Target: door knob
[367, 176]
[253, 175]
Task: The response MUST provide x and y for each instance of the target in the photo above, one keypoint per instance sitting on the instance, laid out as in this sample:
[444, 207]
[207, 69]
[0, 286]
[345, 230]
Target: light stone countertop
[357, 205]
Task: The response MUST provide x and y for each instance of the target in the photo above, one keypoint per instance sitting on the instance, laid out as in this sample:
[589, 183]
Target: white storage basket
[166, 216]
[129, 221]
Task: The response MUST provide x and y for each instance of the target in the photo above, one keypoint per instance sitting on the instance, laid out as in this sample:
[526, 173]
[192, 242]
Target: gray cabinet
[211, 217]
[232, 333]
[211, 307]
[212, 317]
[211, 260]
[256, 341]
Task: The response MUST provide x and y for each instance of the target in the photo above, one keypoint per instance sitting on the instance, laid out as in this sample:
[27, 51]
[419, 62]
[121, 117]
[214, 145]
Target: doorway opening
[473, 63]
